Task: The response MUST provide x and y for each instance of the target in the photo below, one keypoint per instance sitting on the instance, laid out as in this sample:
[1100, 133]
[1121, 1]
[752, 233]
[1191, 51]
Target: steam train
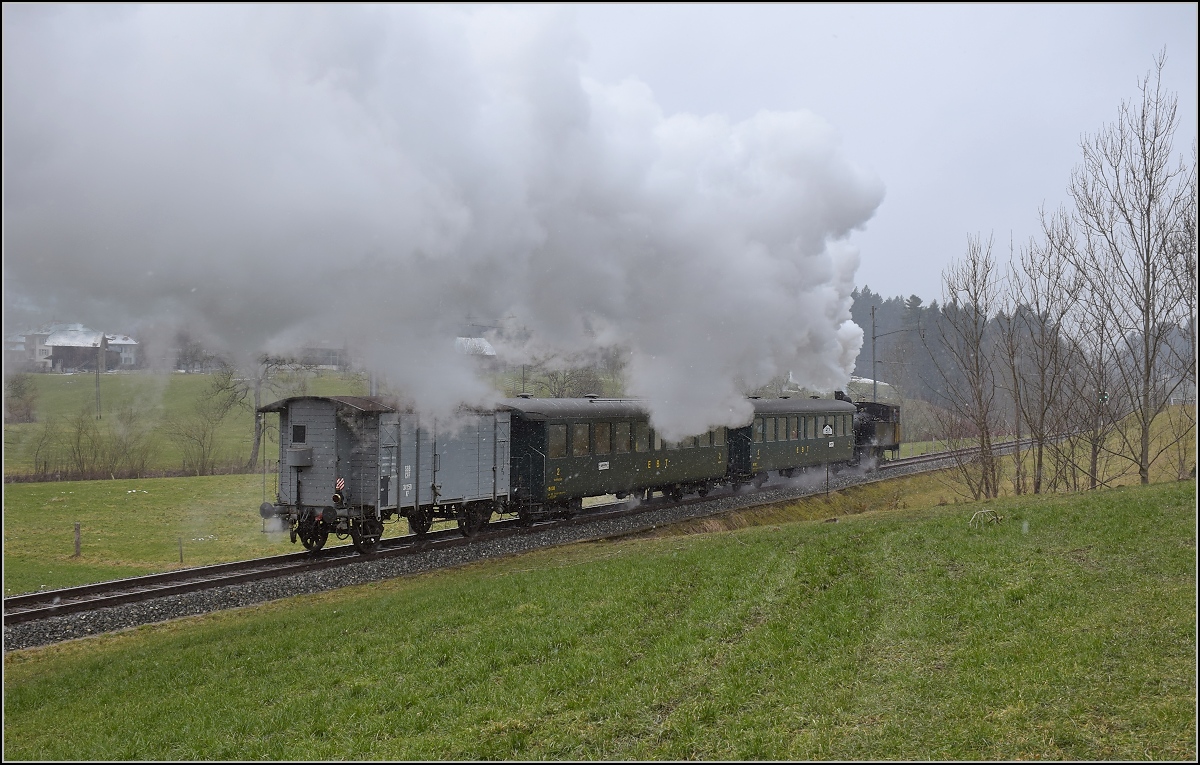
[348, 464]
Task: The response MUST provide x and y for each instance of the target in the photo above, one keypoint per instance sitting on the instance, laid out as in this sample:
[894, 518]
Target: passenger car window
[556, 436]
[603, 433]
[299, 434]
[770, 434]
[641, 441]
[580, 439]
[621, 438]
[719, 437]
[758, 430]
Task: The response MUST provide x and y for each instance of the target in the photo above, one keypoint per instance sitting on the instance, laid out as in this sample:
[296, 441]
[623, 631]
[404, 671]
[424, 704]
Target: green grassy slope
[1067, 631]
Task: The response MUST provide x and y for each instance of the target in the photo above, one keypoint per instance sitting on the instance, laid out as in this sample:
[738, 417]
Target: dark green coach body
[792, 433]
[568, 448]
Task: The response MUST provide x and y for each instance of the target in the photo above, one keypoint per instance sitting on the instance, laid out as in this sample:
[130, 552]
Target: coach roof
[801, 406]
[571, 408]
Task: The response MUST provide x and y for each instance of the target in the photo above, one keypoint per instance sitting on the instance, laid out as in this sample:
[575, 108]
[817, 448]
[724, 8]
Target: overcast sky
[703, 185]
[971, 115]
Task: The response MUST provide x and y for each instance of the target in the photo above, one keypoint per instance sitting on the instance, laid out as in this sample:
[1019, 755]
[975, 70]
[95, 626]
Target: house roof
[72, 338]
[474, 346]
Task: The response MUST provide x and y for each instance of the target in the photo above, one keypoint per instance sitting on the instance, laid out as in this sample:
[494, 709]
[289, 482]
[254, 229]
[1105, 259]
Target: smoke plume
[266, 175]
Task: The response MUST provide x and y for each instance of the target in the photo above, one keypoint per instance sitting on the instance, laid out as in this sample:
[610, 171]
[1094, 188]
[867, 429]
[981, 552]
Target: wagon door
[502, 425]
[418, 463]
[389, 461]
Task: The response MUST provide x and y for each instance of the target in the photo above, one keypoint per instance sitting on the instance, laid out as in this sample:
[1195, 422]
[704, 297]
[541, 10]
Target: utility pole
[874, 381]
[99, 364]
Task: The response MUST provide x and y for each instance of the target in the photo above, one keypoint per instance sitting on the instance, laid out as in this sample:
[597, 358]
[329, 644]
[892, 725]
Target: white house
[127, 346]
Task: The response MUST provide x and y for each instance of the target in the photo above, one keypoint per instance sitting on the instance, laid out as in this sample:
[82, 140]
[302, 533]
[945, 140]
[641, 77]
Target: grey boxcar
[350, 463]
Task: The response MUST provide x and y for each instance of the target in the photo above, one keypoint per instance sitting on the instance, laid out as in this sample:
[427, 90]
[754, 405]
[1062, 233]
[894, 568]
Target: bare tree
[1131, 197]
[1008, 324]
[196, 430]
[84, 443]
[1095, 405]
[1047, 289]
[1181, 419]
[190, 354]
[970, 294]
[128, 444]
[271, 374]
[557, 377]
[20, 397]
[44, 448]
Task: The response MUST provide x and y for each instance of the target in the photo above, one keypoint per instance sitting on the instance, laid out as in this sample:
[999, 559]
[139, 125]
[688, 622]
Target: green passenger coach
[569, 448]
[790, 435]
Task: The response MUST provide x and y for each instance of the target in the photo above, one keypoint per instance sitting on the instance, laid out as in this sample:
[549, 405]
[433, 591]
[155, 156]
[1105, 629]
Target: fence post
[77, 540]
[181, 550]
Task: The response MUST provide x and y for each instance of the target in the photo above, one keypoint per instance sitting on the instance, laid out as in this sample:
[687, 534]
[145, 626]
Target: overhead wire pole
[874, 381]
[99, 363]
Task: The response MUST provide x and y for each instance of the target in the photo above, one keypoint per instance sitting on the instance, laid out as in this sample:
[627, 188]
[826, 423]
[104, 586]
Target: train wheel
[702, 491]
[365, 536]
[419, 522]
[484, 515]
[675, 494]
[312, 536]
[525, 515]
[759, 480]
[469, 521]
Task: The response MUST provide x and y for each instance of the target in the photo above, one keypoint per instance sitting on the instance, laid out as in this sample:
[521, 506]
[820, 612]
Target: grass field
[129, 528]
[1066, 631]
[156, 398]
[136, 526]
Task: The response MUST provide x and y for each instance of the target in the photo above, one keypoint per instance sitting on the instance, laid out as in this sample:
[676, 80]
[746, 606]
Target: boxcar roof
[800, 405]
[567, 408]
[361, 403]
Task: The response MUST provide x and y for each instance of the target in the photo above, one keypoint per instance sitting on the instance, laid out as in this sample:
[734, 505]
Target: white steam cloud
[264, 175]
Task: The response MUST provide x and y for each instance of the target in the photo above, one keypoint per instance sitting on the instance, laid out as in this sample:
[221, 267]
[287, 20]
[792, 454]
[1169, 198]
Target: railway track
[75, 600]
[72, 600]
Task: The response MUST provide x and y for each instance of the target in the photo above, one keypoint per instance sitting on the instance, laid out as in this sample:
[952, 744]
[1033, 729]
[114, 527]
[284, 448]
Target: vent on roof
[524, 395]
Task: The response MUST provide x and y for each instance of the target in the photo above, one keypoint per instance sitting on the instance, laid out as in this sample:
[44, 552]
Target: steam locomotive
[348, 464]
